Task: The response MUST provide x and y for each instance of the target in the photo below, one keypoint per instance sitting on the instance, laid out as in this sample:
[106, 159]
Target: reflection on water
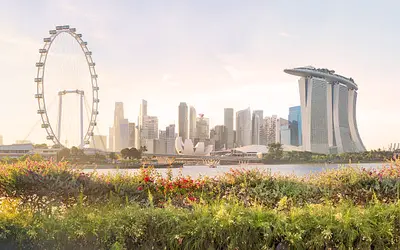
[296, 169]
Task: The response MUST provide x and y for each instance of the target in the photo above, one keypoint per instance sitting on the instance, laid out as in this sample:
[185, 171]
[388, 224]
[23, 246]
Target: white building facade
[328, 110]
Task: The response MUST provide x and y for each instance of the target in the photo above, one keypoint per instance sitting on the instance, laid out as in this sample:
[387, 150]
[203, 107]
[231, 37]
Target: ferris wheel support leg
[82, 142]
[59, 117]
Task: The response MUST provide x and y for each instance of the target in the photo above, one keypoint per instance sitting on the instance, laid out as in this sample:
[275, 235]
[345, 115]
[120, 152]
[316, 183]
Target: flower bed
[46, 205]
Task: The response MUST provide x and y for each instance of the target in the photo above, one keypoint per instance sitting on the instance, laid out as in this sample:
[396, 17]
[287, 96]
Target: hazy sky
[210, 54]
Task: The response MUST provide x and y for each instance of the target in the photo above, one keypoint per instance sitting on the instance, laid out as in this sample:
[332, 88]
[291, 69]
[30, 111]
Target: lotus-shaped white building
[188, 148]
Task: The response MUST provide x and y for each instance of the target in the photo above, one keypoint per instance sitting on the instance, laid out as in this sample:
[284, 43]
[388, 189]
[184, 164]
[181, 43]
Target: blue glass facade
[295, 126]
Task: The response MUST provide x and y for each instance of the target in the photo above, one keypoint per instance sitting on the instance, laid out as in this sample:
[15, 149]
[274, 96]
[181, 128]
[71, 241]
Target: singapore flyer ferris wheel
[55, 135]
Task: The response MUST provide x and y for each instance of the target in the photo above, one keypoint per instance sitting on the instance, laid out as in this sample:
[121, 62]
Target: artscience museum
[188, 148]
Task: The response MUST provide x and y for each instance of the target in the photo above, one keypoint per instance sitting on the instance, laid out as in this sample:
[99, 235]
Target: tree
[125, 153]
[135, 154]
[113, 156]
[74, 151]
[63, 154]
[143, 149]
[275, 151]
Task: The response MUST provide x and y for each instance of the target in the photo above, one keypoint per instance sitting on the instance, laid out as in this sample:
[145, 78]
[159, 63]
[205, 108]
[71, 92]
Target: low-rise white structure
[188, 148]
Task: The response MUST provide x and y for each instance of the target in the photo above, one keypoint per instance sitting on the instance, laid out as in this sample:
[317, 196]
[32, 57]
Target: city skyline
[236, 63]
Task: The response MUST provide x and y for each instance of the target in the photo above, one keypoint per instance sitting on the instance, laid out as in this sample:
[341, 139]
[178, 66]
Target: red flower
[147, 179]
[192, 198]
[140, 188]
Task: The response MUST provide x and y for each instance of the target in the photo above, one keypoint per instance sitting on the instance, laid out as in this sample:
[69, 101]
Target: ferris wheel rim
[40, 87]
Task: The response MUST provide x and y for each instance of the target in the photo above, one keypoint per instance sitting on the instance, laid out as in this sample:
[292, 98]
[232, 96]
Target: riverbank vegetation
[276, 155]
[46, 205]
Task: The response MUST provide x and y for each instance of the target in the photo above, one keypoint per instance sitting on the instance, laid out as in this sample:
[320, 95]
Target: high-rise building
[295, 125]
[281, 124]
[142, 114]
[118, 117]
[285, 134]
[183, 121]
[228, 123]
[132, 135]
[161, 143]
[170, 137]
[1, 140]
[202, 128]
[269, 127]
[124, 134]
[328, 111]
[99, 142]
[256, 125]
[219, 137]
[243, 127]
[192, 123]
[111, 139]
[149, 128]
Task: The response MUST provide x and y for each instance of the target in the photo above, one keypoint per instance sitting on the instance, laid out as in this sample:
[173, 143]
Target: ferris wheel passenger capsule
[50, 137]
[39, 64]
[42, 51]
[45, 125]
[38, 79]
[88, 53]
[96, 88]
[72, 29]
[47, 39]
[53, 32]
[59, 27]
[92, 64]
[79, 35]
[65, 27]
[84, 43]
[38, 96]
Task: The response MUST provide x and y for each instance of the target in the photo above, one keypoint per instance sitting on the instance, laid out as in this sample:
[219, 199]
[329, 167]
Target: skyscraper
[111, 139]
[256, 124]
[99, 142]
[328, 111]
[219, 137]
[161, 143]
[183, 121]
[142, 112]
[270, 123]
[295, 125]
[150, 127]
[192, 123]
[132, 135]
[142, 115]
[243, 127]
[124, 134]
[202, 128]
[118, 117]
[228, 122]
[170, 137]
[282, 127]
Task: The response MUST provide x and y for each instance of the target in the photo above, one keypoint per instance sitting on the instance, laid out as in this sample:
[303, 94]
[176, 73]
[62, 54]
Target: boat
[211, 163]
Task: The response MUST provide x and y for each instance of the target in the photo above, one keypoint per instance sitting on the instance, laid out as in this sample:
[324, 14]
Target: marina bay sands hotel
[328, 111]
